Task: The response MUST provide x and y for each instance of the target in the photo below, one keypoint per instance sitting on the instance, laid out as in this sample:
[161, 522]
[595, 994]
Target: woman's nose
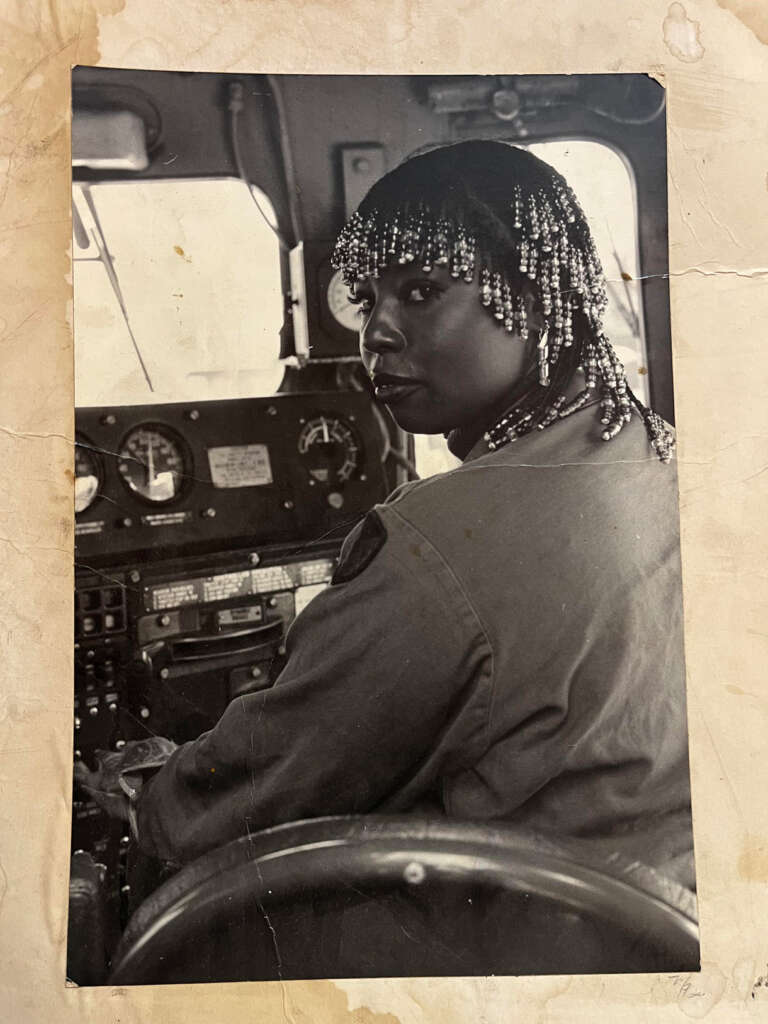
[381, 331]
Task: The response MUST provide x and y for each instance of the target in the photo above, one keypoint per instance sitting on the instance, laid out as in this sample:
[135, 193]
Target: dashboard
[202, 530]
[190, 476]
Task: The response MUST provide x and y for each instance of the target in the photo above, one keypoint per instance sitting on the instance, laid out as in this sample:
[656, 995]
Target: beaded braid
[543, 225]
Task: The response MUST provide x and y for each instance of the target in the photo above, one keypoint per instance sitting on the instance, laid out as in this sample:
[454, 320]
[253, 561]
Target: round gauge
[330, 449]
[152, 463]
[343, 311]
[87, 475]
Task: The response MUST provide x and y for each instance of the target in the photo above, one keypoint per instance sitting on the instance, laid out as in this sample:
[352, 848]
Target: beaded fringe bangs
[554, 250]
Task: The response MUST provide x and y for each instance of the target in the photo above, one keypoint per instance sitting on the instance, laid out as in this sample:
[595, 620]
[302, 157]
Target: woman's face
[436, 356]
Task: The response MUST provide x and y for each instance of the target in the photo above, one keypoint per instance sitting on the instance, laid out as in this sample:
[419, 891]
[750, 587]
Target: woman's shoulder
[571, 474]
[575, 441]
[428, 492]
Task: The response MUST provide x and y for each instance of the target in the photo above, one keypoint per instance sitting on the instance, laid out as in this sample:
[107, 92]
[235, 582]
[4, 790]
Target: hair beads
[532, 236]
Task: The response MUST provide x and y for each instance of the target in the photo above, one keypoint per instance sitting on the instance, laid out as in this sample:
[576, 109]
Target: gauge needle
[326, 435]
[150, 465]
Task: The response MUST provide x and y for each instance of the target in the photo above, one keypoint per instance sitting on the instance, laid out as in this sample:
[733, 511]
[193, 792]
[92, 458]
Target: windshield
[177, 292]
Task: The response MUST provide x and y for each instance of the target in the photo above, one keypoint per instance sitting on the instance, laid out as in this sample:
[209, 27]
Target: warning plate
[244, 465]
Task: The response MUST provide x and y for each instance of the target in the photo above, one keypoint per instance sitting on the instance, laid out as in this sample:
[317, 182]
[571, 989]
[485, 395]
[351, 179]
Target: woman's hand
[118, 778]
[104, 784]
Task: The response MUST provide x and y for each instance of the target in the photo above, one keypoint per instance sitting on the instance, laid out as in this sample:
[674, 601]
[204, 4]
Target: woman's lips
[391, 389]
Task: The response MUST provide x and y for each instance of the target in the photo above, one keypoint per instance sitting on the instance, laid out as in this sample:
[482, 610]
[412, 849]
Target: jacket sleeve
[385, 690]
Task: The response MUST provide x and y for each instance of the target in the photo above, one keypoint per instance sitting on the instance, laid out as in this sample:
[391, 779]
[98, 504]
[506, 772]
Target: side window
[604, 186]
[186, 301]
[606, 191]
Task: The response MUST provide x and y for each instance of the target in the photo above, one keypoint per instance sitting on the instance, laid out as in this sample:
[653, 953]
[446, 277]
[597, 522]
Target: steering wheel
[375, 896]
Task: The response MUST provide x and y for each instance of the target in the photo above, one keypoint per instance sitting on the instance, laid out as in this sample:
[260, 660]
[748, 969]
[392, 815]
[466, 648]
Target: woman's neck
[463, 439]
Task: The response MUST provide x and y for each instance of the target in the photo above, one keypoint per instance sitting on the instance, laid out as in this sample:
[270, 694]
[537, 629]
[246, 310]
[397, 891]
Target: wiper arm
[106, 258]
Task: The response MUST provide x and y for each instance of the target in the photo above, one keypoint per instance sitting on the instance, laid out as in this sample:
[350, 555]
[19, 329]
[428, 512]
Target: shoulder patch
[359, 551]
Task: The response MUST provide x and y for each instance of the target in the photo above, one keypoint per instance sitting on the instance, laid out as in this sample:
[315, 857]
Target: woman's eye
[364, 305]
[421, 291]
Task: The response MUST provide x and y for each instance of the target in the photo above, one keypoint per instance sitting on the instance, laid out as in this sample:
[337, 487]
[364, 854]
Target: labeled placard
[243, 465]
[243, 583]
[84, 529]
[167, 518]
[238, 616]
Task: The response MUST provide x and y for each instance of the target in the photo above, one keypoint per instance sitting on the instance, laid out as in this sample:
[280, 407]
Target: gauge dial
[152, 463]
[343, 311]
[330, 450]
[87, 475]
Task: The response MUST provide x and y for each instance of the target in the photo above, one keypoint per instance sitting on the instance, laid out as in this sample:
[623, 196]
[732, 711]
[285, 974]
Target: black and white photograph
[378, 642]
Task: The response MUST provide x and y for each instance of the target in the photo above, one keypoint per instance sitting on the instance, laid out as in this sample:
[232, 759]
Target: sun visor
[113, 140]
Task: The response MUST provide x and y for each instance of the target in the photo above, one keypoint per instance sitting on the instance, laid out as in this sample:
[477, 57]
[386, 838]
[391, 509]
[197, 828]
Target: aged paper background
[713, 58]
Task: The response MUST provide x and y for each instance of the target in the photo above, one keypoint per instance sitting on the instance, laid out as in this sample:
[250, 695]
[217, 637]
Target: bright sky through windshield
[200, 275]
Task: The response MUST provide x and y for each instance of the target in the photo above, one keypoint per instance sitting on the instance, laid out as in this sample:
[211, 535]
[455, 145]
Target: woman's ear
[535, 320]
[533, 311]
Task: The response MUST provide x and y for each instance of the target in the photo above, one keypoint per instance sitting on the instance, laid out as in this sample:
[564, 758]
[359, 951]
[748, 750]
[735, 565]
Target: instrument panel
[201, 531]
[191, 476]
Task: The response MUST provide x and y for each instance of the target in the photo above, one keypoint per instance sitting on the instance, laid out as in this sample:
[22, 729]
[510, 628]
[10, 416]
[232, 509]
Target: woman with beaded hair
[519, 233]
[501, 642]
